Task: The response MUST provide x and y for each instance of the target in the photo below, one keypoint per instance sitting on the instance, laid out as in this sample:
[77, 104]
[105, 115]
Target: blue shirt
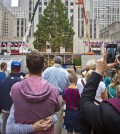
[57, 76]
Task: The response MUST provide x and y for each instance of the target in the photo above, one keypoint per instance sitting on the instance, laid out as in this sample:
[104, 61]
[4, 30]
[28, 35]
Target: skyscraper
[1, 1]
[7, 3]
[107, 11]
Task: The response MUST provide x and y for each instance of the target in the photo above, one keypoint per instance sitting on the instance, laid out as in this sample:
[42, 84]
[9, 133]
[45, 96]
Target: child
[72, 114]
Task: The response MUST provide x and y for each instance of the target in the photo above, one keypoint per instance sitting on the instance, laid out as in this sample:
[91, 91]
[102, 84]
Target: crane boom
[30, 22]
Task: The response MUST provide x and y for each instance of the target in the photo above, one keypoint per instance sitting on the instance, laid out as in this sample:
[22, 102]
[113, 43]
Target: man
[5, 88]
[105, 118]
[39, 98]
[3, 74]
[57, 76]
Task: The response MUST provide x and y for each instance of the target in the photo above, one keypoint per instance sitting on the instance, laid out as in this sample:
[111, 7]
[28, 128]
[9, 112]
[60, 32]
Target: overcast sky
[14, 3]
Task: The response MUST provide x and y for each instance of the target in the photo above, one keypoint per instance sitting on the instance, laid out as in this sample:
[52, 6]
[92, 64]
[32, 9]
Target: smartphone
[111, 52]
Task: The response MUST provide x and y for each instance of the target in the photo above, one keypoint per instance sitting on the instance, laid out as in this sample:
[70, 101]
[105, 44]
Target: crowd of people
[35, 103]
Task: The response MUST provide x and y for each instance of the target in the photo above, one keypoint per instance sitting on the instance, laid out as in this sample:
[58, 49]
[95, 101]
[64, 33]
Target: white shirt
[100, 90]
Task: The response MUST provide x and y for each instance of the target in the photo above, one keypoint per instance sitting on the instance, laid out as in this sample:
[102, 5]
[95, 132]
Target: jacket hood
[35, 89]
[115, 102]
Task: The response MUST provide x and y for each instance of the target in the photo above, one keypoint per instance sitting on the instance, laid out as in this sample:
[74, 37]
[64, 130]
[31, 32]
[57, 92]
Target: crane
[81, 2]
[30, 22]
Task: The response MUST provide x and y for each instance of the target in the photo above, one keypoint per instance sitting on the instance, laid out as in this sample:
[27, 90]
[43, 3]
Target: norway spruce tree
[54, 29]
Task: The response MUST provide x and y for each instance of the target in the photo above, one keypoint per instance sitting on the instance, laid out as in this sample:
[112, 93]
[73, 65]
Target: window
[71, 4]
[40, 9]
[40, 3]
[71, 10]
[66, 3]
[45, 3]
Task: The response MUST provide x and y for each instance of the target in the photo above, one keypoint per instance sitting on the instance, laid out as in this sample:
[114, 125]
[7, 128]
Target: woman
[101, 93]
[3, 71]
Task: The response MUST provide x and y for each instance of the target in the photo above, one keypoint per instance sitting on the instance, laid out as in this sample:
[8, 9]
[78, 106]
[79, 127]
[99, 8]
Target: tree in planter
[54, 28]
[77, 61]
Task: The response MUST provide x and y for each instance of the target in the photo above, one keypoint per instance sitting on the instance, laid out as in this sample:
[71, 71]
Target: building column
[75, 28]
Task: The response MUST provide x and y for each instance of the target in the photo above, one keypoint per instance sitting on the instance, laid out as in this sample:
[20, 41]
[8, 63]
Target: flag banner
[16, 44]
[4, 44]
[8, 44]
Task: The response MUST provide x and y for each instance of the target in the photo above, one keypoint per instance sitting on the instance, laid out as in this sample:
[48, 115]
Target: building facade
[6, 3]
[1, 1]
[75, 16]
[8, 24]
[22, 20]
[112, 31]
[106, 11]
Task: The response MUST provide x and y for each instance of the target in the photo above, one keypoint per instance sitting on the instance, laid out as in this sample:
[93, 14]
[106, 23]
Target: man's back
[5, 88]
[57, 76]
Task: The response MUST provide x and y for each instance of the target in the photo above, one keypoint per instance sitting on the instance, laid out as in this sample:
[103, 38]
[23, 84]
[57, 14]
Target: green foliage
[54, 28]
[77, 61]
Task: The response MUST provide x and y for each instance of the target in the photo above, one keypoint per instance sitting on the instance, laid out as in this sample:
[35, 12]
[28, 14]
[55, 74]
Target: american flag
[4, 44]
[16, 44]
[8, 44]
[12, 45]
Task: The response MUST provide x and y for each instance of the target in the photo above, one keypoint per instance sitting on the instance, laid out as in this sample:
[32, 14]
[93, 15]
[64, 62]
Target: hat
[15, 64]
[58, 59]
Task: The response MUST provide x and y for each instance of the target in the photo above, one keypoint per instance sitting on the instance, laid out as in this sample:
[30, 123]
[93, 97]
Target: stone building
[8, 24]
[112, 31]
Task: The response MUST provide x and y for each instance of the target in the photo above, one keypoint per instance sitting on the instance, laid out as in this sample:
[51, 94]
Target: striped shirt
[72, 98]
[57, 76]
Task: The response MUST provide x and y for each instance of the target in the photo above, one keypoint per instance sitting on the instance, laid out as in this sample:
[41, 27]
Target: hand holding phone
[111, 52]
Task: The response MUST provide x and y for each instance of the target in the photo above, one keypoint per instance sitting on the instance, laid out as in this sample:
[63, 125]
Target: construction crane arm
[30, 22]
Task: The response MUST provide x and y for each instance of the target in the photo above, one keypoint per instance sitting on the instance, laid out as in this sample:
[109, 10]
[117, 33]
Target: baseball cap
[15, 64]
[58, 59]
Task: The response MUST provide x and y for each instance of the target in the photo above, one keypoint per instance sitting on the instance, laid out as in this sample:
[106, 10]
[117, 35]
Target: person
[57, 76]
[105, 118]
[3, 71]
[16, 128]
[72, 114]
[38, 97]
[101, 93]
[5, 88]
[112, 91]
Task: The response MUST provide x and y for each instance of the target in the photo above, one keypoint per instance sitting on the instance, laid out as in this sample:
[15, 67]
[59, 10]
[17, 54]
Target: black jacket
[5, 88]
[104, 118]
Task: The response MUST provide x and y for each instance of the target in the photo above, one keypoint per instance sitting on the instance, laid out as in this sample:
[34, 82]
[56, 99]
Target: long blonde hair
[87, 76]
[114, 81]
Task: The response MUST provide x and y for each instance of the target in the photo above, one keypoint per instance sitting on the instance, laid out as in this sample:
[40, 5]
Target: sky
[14, 3]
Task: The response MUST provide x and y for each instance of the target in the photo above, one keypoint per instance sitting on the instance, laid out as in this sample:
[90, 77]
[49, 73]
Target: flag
[20, 44]
[8, 44]
[4, 44]
[86, 44]
[12, 45]
[16, 45]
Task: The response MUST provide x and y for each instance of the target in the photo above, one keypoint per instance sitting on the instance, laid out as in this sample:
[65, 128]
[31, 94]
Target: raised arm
[89, 110]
